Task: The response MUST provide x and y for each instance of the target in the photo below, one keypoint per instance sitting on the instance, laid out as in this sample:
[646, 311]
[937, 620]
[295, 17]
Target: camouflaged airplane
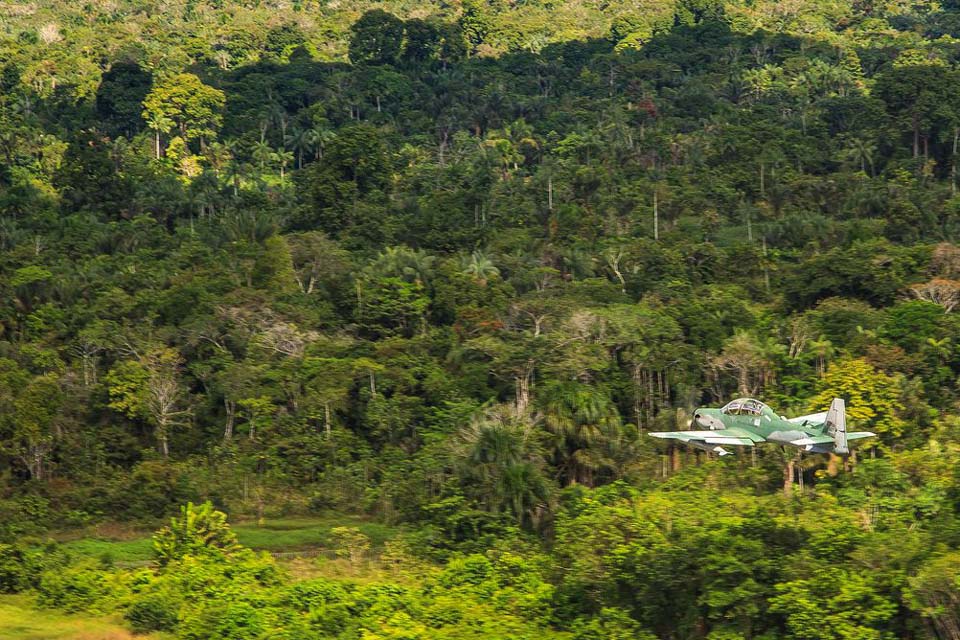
[746, 422]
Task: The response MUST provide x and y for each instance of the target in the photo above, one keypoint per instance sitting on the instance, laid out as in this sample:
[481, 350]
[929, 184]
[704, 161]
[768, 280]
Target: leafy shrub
[609, 624]
[221, 619]
[154, 612]
[327, 604]
[79, 587]
[26, 515]
[14, 575]
[198, 530]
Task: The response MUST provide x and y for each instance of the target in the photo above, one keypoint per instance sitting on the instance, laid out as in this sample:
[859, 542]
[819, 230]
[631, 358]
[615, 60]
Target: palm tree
[942, 348]
[505, 152]
[322, 136]
[301, 141]
[499, 461]
[273, 114]
[262, 154]
[410, 265]
[480, 268]
[283, 158]
[823, 349]
[159, 123]
[218, 155]
[861, 151]
[235, 171]
[585, 427]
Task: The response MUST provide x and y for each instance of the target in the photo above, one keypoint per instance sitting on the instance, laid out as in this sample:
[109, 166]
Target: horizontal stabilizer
[857, 435]
[813, 418]
[812, 441]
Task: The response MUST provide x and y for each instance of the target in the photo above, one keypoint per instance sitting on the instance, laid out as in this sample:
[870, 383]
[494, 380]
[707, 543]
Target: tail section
[836, 426]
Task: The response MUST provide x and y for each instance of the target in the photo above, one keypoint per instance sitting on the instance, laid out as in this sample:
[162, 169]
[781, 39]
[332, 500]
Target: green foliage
[21, 567]
[200, 529]
[873, 397]
[933, 592]
[377, 38]
[80, 587]
[350, 543]
[186, 102]
[154, 612]
[120, 95]
[610, 623]
[833, 605]
[442, 266]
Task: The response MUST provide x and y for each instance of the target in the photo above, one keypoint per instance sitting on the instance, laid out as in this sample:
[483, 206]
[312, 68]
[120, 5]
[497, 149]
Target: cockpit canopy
[744, 407]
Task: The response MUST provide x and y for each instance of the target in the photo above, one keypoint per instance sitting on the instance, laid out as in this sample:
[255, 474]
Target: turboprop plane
[746, 422]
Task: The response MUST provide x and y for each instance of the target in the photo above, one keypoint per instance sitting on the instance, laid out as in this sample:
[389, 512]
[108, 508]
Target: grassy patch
[282, 534]
[115, 550]
[292, 534]
[20, 621]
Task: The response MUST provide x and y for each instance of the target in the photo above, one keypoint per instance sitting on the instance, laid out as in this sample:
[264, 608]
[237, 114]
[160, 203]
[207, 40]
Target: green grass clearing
[282, 534]
[293, 534]
[20, 621]
[135, 550]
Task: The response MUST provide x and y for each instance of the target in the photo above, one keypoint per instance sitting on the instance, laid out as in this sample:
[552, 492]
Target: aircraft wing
[736, 437]
[812, 441]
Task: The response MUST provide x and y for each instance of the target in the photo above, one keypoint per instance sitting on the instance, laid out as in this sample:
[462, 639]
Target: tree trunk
[833, 465]
[656, 216]
[523, 392]
[916, 135]
[788, 478]
[953, 165]
[162, 439]
[33, 459]
[231, 409]
[743, 381]
[766, 268]
[637, 405]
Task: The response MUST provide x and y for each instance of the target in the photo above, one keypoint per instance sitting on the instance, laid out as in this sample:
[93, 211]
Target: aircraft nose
[707, 421]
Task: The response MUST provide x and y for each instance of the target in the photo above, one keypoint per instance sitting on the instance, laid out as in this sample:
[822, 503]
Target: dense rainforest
[441, 265]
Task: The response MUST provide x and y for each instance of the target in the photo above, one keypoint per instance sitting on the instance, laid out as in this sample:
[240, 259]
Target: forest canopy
[443, 265]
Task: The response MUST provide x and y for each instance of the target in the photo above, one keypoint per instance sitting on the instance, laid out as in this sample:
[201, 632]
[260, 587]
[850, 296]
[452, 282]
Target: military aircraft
[746, 422]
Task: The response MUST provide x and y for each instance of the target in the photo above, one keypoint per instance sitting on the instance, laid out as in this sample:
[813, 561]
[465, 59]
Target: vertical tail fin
[836, 426]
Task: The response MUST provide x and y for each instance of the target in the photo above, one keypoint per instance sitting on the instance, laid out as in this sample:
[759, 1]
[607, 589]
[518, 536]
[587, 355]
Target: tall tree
[193, 107]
